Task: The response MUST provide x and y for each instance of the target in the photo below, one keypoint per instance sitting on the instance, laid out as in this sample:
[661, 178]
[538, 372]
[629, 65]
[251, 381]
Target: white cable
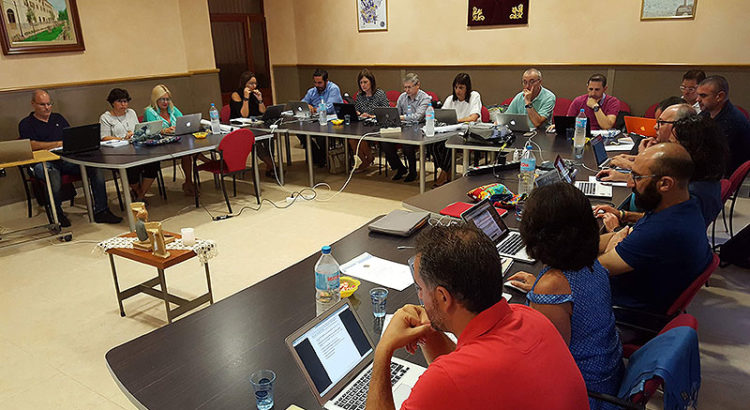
[351, 173]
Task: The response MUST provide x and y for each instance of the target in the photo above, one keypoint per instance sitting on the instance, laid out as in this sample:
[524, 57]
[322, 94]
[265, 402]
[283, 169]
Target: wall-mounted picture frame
[667, 9]
[372, 15]
[40, 26]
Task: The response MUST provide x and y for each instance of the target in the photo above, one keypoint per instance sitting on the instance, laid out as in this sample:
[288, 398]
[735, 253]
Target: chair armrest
[615, 400]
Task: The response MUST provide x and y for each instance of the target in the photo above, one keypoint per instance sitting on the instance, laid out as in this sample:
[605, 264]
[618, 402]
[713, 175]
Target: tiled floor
[59, 316]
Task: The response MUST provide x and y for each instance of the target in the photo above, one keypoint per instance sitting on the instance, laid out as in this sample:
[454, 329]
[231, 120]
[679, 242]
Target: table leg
[310, 171]
[346, 155]
[453, 164]
[208, 283]
[288, 150]
[280, 155]
[165, 294]
[126, 184]
[117, 285]
[87, 192]
[51, 197]
[465, 161]
[422, 170]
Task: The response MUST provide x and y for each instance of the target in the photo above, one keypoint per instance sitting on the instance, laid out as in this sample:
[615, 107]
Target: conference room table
[409, 135]
[132, 155]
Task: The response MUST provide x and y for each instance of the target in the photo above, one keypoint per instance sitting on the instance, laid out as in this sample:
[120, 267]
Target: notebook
[15, 150]
[387, 117]
[641, 125]
[187, 124]
[446, 116]
[149, 128]
[335, 355]
[400, 222]
[81, 139]
[346, 109]
[299, 109]
[508, 242]
[457, 208]
[516, 122]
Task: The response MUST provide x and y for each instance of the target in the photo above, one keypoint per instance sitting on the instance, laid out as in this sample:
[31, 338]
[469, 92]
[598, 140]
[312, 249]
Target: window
[11, 16]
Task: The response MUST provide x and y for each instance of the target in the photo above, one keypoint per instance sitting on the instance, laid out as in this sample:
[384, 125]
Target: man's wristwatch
[527, 105]
[245, 99]
[596, 108]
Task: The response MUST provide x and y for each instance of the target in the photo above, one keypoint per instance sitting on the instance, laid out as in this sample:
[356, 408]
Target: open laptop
[508, 242]
[564, 122]
[299, 109]
[187, 124]
[81, 139]
[387, 117]
[516, 122]
[335, 355]
[596, 189]
[149, 128]
[15, 150]
[343, 109]
[641, 125]
[272, 113]
[446, 116]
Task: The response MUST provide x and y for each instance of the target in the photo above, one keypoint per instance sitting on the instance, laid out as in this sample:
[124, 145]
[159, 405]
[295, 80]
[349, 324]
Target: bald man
[45, 130]
[651, 264]
[534, 100]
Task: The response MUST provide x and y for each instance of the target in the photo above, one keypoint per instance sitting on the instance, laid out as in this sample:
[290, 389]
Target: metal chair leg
[234, 185]
[731, 215]
[196, 181]
[224, 191]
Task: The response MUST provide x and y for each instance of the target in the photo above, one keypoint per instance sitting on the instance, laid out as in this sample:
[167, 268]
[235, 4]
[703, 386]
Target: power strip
[390, 130]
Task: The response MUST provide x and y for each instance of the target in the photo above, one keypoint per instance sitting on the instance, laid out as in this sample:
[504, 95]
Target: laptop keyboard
[511, 245]
[588, 188]
[356, 395]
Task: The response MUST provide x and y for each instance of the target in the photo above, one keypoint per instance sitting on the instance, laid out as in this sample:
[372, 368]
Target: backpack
[736, 251]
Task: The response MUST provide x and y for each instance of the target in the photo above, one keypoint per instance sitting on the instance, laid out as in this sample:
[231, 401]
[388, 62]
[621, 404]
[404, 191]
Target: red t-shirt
[609, 106]
[508, 357]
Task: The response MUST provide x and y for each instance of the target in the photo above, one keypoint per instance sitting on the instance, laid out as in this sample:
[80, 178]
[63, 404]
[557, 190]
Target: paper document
[114, 143]
[377, 270]
[244, 120]
[592, 178]
[622, 144]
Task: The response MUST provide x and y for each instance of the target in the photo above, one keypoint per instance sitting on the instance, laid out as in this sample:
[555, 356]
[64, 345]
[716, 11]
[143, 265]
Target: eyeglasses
[164, 99]
[659, 123]
[123, 101]
[530, 82]
[637, 177]
[689, 89]
[49, 104]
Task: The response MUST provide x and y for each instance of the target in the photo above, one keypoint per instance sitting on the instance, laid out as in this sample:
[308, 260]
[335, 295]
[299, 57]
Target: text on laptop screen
[486, 218]
[332, 348]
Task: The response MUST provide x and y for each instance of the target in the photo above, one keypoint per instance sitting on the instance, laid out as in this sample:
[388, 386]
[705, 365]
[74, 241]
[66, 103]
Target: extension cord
[390, 130]
[222, 217]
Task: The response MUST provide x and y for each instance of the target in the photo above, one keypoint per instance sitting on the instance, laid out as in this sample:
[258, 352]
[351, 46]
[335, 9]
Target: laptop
[343, 109]
[641, 125]
[516, 122]
[187, 124]
[335, 355]
[272, 113]
[596, 189]
[81, 139]
[637, 138]
[387, 117]
[149, 128]
[508, 242]
[299, 109]
[564, 122]
[15, 150]
[446, 116]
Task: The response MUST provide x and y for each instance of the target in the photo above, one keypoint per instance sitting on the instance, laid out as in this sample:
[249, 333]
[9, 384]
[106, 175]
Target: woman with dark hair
[572, 289]
[468, 106]
[118, 123]
[247, 101]
[369, 97]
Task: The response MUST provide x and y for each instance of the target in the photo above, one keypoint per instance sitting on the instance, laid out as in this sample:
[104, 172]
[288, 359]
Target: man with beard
[330, 93]
[507, 356]
[651, 264]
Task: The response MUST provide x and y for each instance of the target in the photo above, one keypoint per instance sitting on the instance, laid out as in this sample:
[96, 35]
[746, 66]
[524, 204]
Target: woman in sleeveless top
[247, 101]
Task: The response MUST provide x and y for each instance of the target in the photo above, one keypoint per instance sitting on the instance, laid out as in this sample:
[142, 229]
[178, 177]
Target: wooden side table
[148, 287]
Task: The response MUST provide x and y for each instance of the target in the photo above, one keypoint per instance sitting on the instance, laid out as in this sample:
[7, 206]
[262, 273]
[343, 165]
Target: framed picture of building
[372, 15]
[667, 9]
[40, 26]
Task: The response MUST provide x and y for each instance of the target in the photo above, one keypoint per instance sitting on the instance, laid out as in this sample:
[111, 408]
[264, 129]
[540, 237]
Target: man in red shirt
[507, 356]
[601, 109]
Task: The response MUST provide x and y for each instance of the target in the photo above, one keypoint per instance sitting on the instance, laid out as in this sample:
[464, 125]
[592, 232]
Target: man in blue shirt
[651, 264]
[45, 130]
[330, 93]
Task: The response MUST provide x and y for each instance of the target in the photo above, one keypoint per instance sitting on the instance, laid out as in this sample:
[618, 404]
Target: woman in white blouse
[118, 123]
[468, 106]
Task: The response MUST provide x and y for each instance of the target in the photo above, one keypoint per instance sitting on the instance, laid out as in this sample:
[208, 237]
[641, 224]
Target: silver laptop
[15, 150]
[597, 189]
[187, 124]
[507, 241]
[300, 109]
[149, 128]
[515, 122]
[446, 116]
[335, 354]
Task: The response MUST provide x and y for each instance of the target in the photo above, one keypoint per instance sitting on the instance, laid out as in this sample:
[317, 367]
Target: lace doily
[203, 248]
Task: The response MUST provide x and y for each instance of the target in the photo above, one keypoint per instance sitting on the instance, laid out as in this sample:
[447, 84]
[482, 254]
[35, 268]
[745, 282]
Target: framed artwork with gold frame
[40, 26]
[667, 9]
[372, 15]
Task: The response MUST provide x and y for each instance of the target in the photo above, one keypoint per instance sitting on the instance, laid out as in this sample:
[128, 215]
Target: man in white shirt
[689, 87]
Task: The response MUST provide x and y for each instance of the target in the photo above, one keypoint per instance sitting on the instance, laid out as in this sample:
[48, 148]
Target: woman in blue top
[572, 289]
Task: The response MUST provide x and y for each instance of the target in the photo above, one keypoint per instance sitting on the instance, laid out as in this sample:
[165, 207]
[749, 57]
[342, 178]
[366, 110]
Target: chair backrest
[738, 176]
[624, 106]
[392, 96]
[224, 114]
[651, 111]
[688, 294]
[726, 191]
[561, 106]
[507, 101]
[485, 114]
[683, 319]
[744, 111]
[432, 95]
[235, 147]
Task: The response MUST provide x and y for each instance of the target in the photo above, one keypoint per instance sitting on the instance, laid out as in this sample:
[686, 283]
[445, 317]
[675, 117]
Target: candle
[188, 236]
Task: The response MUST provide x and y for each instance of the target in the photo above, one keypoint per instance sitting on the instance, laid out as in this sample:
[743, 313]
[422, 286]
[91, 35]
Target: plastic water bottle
[429, 119]
[528, 170]
[409, 117]
[579, 138]
[213, 113]
[322, 114]
[327, 274]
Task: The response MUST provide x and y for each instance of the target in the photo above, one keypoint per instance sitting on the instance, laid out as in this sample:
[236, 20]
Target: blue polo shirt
[35, 129]
[331, 94]
[667, 251]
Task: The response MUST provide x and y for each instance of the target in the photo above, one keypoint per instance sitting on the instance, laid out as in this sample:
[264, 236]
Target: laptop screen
[486, 218]
[562, 169]
[332, 348]
[600, 153]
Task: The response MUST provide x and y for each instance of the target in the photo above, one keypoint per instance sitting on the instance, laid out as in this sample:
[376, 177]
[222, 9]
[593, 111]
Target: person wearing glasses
[651, 264]
[118, 123]
[713, 97]
[45, 130]
[689, 88]
[369, 97]
[534, 100]
[600, 109]
[572, 289]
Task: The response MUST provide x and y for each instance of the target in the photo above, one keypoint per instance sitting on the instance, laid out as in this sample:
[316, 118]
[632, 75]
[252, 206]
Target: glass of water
[378, 297]
[262, 382]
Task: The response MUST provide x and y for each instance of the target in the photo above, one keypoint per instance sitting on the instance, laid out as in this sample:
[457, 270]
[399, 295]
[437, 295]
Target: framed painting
[372, 15]
[667, 9]
[40, 26]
